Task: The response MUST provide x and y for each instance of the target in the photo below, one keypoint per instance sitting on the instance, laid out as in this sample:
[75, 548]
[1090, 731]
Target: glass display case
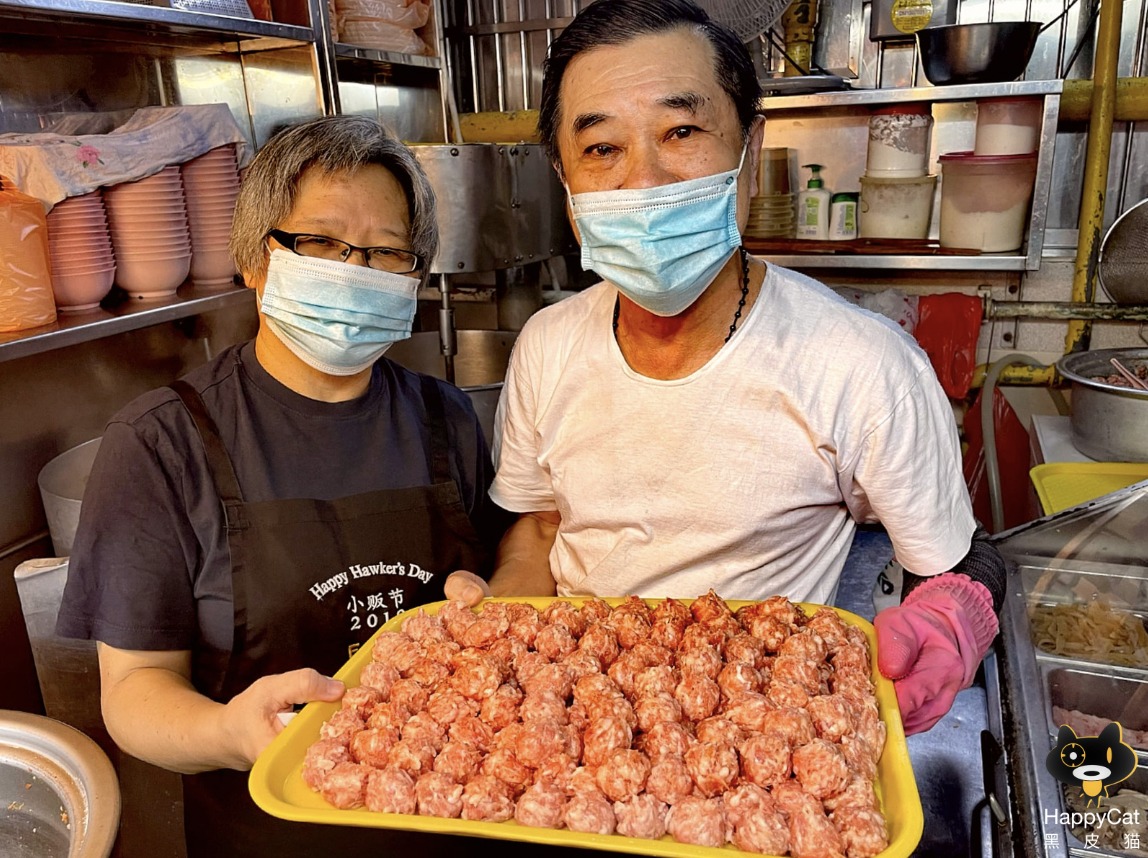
[1075, 652]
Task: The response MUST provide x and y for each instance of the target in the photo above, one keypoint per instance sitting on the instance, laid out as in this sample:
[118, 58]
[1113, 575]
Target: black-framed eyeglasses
[390, 259]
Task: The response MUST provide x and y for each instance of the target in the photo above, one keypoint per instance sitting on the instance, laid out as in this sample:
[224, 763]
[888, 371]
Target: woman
[248, 527]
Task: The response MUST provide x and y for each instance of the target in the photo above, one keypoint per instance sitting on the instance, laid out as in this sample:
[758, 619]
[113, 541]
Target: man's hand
[931, 645]
[466, 587]
[250, 719]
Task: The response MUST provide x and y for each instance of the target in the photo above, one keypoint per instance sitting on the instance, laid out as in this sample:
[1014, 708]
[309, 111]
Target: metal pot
[59, 797]
[1109, 422]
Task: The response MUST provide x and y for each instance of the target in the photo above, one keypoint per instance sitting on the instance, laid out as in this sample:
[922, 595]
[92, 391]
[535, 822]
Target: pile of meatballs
[757, 727]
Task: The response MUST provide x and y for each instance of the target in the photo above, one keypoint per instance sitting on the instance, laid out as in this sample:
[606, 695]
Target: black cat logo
[1094, 763]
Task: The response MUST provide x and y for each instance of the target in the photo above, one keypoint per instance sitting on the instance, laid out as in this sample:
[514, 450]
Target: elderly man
[247, 528]
[700, 418]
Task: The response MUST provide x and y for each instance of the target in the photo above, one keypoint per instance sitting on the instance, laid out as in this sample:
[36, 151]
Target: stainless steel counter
[947, 760]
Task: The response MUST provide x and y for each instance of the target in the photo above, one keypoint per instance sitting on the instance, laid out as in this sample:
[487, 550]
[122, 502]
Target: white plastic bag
[382, 37]
[409, 15]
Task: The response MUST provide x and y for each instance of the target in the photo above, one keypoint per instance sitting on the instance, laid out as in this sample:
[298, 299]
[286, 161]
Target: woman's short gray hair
[333, 144]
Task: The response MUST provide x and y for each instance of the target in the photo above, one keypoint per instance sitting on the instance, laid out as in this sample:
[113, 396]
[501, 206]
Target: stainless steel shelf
[871, 97]
[390, 58]
[110, 21]
[845, 108]
[987, 262]
[73, 328]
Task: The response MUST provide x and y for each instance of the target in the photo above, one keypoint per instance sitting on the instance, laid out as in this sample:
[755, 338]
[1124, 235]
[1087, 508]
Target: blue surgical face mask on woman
[660, 246]
[336, 317]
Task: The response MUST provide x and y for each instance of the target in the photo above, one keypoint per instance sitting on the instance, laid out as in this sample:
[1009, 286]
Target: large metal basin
[479, 365]
[1109, 423]
[59, 797]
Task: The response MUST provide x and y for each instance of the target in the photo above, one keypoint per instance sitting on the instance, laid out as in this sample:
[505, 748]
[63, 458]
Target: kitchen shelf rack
[790, 114]
[385, 58]
[129, 315]
[133, 25]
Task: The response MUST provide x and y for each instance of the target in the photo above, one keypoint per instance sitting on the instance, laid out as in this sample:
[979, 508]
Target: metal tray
[1137, 781]
[1063, 582]
[1104, 695]
[277, 786]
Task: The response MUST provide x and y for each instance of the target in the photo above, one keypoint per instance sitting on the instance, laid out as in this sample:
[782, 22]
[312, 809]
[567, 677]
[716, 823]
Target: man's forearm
[983, 564]
[523, 565]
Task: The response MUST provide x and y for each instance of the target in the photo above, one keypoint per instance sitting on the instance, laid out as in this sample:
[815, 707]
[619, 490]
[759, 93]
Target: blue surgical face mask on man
[663, 246]
[336, 317]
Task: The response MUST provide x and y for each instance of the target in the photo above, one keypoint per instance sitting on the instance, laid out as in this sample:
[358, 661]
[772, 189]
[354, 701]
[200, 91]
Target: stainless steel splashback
[499, 206]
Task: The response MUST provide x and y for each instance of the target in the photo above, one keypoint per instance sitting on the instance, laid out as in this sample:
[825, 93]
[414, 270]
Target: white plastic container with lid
[985, 200]
[899, 141]
[1008, 126]
[896, 207]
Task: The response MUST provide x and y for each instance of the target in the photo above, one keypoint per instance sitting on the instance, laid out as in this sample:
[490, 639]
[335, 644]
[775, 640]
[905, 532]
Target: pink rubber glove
[931, 644]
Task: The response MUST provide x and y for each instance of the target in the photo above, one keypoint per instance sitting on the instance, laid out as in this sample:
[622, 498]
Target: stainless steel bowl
[995, 52]
[1109, 422]
[59, 796]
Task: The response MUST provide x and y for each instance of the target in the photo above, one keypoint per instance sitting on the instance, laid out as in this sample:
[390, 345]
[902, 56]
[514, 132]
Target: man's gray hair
[332, 144]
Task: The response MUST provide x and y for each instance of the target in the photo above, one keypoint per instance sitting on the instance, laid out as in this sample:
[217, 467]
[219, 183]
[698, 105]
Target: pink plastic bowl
[78, 290]
[152, 278]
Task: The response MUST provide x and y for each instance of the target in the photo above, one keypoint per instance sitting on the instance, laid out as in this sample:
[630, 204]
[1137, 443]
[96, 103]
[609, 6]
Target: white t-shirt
[746, 476]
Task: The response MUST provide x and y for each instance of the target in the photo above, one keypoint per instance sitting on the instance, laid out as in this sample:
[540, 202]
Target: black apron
[312, 580]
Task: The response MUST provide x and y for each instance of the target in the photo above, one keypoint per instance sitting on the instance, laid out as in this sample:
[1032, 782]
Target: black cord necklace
[740, 304]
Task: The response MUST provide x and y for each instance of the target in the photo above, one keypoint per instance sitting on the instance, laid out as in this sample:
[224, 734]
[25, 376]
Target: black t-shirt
[150, 566]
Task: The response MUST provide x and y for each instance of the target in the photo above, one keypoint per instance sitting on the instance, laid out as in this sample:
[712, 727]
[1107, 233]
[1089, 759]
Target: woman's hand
[251, 719]
[466, 587]
[154, 712]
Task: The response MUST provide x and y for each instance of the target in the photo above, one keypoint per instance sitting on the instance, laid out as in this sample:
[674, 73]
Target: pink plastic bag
[26, 299]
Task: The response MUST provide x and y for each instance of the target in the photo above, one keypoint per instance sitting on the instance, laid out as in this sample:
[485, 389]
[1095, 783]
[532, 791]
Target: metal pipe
[1099, 149]
[1024, 376]
[446, 333]
[1061, 310]
[1131, 100]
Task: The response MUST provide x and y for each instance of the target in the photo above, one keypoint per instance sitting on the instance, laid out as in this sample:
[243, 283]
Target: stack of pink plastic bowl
[83, 267]
[149, 232]
[211, 183]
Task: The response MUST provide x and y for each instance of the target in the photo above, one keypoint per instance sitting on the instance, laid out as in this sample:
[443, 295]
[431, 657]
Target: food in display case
[758, 726]
[1094, 632]
[1076, 655]
[1084, 724]
[1119, 824]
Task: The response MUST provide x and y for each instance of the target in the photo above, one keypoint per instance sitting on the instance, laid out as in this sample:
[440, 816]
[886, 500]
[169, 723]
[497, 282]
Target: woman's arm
[153, 712]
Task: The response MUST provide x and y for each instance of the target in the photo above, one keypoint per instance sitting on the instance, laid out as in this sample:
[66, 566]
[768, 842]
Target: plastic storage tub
[1008, 126]
[899, 142]
[896, 207]
[985, 200]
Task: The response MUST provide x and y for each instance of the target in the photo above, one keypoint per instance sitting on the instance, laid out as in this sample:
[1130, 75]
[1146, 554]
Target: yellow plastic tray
[1062, 485]
[277, 786]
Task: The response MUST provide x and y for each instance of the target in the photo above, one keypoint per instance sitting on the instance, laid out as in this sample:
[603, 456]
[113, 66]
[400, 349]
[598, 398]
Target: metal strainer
[1123, 266]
